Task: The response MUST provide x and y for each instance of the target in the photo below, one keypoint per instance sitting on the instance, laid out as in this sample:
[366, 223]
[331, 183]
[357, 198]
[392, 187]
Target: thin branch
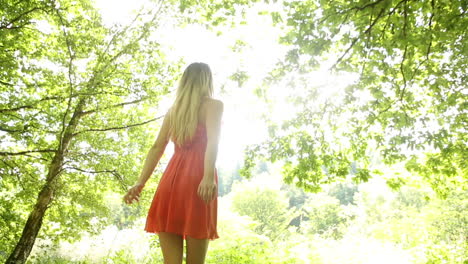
[144, 32]
[6, 83]
[360, 8]
[119, 127]
[9, 25]
[9, 130]
[113, 172]
[356, 39]
[96, 70]
[369, 33]
[12, 172]
[402, 70]
[30, 106]
[457, 16]
[27, 151]
[430, 29]
[90, 171]
[405, 13]
[88, 94]
[16, 108]
[70, 73]
[114, 106]
[39, 158]
[402, 64]
[384, 29]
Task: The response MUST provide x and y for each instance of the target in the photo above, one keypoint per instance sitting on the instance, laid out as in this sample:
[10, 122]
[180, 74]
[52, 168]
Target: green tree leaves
[268, 207]
[406, 104]
[75, 100]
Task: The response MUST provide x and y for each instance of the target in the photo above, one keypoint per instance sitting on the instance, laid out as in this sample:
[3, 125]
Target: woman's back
[185, 202]
[177, 207]
[206, 105]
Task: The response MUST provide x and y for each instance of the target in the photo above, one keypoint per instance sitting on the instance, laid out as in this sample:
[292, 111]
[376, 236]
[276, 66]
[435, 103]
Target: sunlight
[366, 170]
[256, 56]
[241, 121]
[260, 51]
[118, 11]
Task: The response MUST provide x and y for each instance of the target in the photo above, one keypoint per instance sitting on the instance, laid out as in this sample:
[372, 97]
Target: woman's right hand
[133, 193]
[207, 189]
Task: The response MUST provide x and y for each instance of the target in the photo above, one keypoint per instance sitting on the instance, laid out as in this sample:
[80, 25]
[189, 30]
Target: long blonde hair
[196, 83]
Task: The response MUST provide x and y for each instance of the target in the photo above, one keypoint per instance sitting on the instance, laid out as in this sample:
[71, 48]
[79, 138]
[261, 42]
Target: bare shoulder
[214, 105]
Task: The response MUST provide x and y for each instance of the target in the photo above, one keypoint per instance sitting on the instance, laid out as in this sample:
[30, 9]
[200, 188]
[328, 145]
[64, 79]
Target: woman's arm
[152, 159]
[214, 112]
[155, 152]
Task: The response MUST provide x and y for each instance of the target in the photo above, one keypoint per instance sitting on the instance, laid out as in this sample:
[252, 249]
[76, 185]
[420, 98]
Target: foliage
[325, 216]
[78, 100]
[411, 197]
[269, 207]
[297, 197]
[451, 225]
[404, 233]
[242, 244]
[70, 89]
[405, 104]
[226, 179]
[432, 230]
[343, 192]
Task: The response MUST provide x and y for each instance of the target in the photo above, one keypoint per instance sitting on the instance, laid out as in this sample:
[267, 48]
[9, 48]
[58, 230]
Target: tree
[325, 216]
[343, 192]
[268, 207]
[407, 102]
[76, 98]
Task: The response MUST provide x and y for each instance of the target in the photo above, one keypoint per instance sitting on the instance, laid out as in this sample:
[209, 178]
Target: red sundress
[176, 207]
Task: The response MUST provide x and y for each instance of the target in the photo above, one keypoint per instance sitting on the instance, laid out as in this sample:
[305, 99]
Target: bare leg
[172, 247]
[196, 250]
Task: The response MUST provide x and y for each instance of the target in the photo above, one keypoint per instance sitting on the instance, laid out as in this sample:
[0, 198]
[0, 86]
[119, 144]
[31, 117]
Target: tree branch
[6, 83]
[384, 29]
[13, 171]
[118, 128]
[39, 158]
[97, 71]
[70, 72]
[357, 38]
[402, 64]
[430, 29]
[27, 151]
[9, 25]
[402, 70]
[119, 177]
[9, 130]
[114, 106]
[30, 106]
[360, 8]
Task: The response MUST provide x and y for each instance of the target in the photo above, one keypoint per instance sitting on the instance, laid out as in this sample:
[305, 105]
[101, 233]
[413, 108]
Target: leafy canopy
[407, 103]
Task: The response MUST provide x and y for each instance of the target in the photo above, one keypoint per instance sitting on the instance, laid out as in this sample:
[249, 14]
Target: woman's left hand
[133, 193]
[207, 190]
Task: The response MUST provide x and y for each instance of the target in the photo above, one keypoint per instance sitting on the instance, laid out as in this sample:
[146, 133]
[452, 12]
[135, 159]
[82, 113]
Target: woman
[185, 203]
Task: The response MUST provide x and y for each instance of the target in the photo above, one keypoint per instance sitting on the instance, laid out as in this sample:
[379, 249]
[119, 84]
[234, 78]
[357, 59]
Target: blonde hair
[196, 83]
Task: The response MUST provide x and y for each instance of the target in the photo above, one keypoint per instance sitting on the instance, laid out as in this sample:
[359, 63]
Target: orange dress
[176, 207]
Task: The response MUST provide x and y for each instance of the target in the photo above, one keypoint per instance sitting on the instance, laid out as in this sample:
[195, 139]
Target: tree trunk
[24, 246]
[33, 225]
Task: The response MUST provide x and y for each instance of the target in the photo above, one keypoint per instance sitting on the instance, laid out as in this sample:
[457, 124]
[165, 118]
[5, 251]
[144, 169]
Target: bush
[268, 207]
[326, 216]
